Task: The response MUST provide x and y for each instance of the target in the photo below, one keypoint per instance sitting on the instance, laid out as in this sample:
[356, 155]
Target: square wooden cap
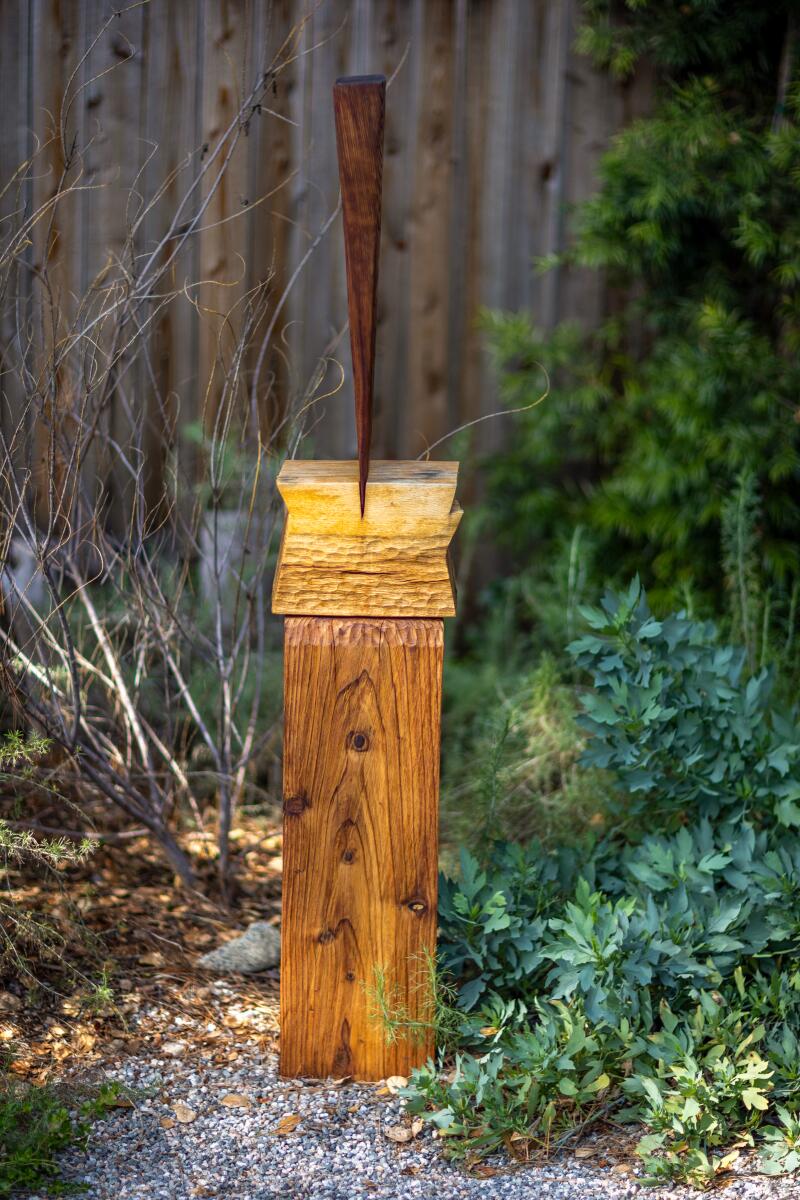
[393, 562]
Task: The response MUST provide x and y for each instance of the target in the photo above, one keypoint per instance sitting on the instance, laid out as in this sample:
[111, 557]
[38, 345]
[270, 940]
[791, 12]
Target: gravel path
[338, 1148]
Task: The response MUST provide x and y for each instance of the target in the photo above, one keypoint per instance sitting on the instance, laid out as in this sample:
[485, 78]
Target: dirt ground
[124, 976]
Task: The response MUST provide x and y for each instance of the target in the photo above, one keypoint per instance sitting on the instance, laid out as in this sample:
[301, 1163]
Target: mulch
[124, 979]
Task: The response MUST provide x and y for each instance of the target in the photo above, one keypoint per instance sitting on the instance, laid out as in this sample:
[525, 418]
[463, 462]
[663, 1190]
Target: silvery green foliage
[676, 912]
[493, 920]
[674, 717]
[656, 977]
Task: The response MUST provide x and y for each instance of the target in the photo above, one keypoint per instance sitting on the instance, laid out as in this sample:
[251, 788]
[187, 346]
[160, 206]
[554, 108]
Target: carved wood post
[364, 600]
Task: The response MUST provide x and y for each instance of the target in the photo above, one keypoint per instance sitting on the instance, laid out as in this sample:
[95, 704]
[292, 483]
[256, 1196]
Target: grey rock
[255, 950]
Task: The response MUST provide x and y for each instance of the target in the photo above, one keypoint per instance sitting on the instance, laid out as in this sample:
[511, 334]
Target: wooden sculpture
[364, 582]
[359, 105]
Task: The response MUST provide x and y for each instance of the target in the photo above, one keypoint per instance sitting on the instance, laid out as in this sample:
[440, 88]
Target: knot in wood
[417, 907]
[293, 806]
[358, 741]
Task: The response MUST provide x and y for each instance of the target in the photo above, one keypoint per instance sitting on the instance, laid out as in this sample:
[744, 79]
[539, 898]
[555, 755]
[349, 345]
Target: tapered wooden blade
[359, 106]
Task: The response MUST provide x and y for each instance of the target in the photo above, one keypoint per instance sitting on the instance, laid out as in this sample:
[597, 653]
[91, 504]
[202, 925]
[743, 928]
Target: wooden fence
[494, 128]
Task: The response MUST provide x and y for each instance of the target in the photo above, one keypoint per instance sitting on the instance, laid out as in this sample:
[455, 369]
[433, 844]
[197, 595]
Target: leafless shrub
[112, 596]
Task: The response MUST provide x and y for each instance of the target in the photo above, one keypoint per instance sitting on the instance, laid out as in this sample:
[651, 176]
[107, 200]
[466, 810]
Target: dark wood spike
[359, 105]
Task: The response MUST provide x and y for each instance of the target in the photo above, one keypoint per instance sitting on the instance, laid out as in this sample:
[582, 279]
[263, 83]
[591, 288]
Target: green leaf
[752, 1098]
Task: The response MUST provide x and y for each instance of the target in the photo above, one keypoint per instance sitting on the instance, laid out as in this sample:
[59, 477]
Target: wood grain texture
[359, 106]
[392, 562]
[361, 781]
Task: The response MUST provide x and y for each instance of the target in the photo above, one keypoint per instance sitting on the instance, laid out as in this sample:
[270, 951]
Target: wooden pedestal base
[361, 783]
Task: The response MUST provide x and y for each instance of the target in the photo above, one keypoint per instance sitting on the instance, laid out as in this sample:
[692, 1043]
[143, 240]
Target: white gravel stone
[335, 1154]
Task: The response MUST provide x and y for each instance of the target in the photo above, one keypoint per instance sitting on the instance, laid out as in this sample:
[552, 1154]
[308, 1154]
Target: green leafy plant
[36, 1125]
[677, 720]
[780, 1154]
[692, 385]
[762, 615]
[529, 1091]
[20, 929]
[650, 976]
[709, 1091]
[494, 918]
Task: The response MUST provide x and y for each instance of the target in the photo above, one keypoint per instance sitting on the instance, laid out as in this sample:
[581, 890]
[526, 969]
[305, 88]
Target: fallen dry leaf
[167, 1123]
[395, 1082]
[153, 958]
[287, 1124]
[398, 1133]
[183, 1113]
[483, 1171]
[621, 1169]
[585, 1151]
[236, 1100]
[172, 1049]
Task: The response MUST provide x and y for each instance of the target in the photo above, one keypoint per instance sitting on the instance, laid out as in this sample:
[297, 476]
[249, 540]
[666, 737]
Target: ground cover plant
[653, 979]
[36, 1125]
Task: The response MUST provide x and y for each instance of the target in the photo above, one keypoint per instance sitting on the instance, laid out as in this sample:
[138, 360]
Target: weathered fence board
[494, 128]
